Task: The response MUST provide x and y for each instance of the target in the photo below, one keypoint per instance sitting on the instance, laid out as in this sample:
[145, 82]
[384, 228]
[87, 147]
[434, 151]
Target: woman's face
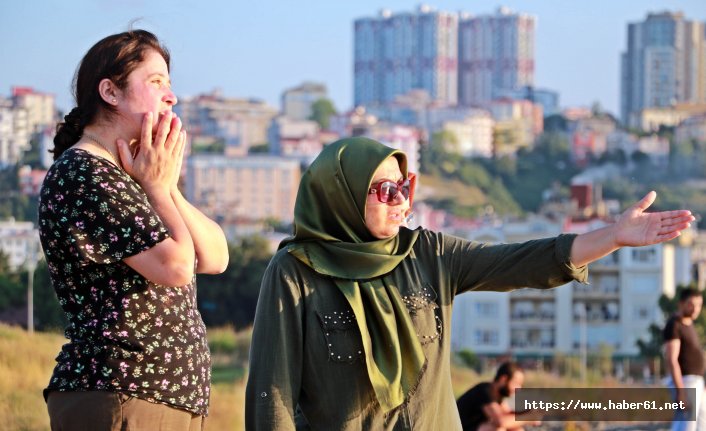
[148, 90]
[383, 220]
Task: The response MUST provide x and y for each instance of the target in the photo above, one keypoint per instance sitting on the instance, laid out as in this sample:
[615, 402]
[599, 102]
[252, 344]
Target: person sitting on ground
[482, 408]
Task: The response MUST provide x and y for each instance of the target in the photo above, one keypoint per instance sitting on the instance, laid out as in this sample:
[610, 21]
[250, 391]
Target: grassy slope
[26, 363]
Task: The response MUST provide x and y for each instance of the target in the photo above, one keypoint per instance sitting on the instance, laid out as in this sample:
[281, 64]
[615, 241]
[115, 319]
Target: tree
[441, 154]
[12, 291]
[230, 298]
[321, 112]
[48, 313]
[555, 123]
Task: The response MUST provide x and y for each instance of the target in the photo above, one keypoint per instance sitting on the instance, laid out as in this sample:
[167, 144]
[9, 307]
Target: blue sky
[256, 49]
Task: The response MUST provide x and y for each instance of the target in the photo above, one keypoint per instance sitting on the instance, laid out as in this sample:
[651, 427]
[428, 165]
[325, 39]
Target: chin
[389, 233]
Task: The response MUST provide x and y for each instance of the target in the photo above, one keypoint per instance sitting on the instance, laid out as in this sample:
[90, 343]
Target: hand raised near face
[156, 163]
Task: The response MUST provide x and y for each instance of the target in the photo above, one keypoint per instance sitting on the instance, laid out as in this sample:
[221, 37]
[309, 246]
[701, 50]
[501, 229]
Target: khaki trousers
[110, 411]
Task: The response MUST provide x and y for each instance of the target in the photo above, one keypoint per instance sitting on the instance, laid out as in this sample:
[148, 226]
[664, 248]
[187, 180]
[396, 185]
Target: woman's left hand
[638, 228]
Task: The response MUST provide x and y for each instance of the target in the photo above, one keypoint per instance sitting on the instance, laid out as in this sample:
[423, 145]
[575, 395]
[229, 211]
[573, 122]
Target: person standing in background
[684, 357]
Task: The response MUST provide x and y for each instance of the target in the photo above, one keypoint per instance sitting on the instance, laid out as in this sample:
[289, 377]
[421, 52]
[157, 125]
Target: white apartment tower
[495, 55]
[396, 53]
[664, 64]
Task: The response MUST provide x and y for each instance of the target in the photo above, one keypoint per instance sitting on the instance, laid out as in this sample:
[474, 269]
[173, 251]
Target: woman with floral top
[123, 245]
[352, 329]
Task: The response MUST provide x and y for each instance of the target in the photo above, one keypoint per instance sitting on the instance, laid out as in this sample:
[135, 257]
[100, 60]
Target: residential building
[250, 189]
[474, 134]
[548, 99]
[652, 119]
[358, 122]
[517, 124]
[691, 129]
[40, 107]
[496, 54]
[294, 138]
[239, 123]
[297, 101]
[589, 136]
[664, 63]
[654, 146]
[395, 53]
[30, 180]
[15, 133]
[19, 241]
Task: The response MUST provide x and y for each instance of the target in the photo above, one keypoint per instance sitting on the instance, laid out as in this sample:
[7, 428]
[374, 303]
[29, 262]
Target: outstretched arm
[635, 228]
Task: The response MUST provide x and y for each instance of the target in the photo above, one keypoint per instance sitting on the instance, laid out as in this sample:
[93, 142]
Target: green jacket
[307, 351]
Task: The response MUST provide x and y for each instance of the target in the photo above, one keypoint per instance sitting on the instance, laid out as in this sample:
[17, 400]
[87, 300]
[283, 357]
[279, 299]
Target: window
[486, 309]
[486, 337]
[644, 255]
[642, 311]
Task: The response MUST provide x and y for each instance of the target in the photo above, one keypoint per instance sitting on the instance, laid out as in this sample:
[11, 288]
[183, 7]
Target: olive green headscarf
[330, 236]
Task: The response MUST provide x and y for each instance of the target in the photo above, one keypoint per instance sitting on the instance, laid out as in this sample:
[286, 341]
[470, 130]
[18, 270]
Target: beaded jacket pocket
[342, 336]
[424, 310]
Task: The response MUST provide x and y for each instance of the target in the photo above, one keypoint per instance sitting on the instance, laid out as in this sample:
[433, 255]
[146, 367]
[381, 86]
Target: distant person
[123, 245]
[483, 407]
[352, 326]
[683, 353]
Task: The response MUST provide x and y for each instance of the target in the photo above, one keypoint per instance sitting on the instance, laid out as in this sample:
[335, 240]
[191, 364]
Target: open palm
[637, 228]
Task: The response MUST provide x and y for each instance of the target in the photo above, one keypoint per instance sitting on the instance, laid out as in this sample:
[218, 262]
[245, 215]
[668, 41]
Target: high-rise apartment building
[395, 53]
[664, 64]
[495, 55]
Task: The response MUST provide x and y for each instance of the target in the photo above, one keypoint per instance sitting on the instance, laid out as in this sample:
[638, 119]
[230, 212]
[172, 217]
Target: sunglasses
[387, 190]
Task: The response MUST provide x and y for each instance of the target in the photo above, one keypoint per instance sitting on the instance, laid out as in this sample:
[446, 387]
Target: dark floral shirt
[126, 334]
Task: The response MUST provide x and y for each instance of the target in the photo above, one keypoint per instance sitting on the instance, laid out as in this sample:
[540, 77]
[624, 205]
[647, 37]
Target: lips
[396, 216]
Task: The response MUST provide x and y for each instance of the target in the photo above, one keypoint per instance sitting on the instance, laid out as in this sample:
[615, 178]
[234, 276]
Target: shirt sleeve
[540, 263]
[276, 350]
[109, 218]
[671, 330]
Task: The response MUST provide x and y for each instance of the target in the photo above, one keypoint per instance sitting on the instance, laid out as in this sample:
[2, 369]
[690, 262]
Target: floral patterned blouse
[126, 333]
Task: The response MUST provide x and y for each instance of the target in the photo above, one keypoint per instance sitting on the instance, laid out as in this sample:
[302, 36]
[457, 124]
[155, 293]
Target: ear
[108, 91]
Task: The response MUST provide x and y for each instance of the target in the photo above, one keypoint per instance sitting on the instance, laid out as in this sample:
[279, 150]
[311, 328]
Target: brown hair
[114, 58]
[507, 369]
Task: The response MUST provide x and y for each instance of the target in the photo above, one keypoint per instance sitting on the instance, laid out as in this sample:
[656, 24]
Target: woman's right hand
[156, 161]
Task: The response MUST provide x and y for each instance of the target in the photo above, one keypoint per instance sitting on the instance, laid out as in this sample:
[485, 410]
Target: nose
[170, 98]
[399, 198]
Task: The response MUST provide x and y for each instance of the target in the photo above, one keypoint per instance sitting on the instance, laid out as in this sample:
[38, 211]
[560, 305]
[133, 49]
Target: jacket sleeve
[540, 263]
[276, 351]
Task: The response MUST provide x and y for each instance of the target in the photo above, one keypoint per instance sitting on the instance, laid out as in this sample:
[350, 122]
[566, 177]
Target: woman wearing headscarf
[353, 320]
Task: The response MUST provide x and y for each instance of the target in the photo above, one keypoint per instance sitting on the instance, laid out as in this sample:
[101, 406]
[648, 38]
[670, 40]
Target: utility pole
[31, 262]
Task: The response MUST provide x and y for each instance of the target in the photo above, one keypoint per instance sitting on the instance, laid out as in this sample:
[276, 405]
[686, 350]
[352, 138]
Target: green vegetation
[321, 112]
[12, 203]
[509, 185]
[13, 294]
[230, 298]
